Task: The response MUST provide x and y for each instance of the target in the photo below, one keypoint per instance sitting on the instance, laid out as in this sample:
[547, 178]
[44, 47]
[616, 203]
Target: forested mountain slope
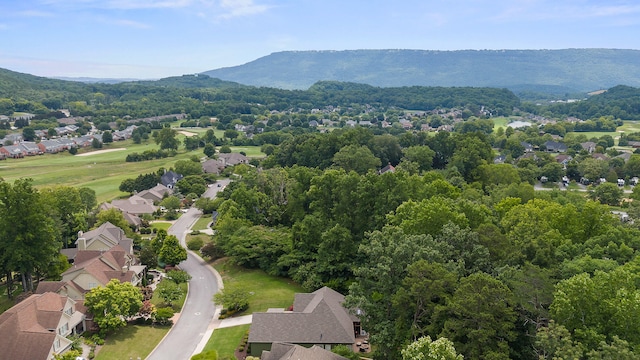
[559, 71]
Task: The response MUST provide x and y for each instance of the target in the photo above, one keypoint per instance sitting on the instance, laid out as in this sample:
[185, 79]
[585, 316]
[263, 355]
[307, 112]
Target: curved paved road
[198, 312]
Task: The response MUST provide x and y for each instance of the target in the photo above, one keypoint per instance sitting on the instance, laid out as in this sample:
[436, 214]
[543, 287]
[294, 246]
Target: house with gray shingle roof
[284, 351]
[30, 148]
[213, 166]
[232, 159]
[156, 193]
[12, 151]
[135, 205]
[317, 318]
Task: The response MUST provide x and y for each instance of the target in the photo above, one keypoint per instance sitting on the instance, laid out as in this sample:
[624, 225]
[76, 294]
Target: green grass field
[164, 225]
[202, 223]
[267, 291]
[499, 122]
[132, 342]
[226, 340]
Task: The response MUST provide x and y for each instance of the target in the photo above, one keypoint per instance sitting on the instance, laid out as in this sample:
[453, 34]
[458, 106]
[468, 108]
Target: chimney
[82, 242]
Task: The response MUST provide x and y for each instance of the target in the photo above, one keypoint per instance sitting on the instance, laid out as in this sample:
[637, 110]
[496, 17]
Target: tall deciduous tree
[172, 253]
[356, 158]
[386, 256]
[481, 318]
[112, 304]
[166, 138]
[29, 239]
[426, 349]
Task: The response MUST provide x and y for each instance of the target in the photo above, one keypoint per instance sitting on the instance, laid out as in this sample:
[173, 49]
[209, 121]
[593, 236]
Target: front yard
[132, 342]
[266, 291]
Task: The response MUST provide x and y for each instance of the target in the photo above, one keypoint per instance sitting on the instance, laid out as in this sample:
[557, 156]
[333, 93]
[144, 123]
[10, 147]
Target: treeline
[620, 102]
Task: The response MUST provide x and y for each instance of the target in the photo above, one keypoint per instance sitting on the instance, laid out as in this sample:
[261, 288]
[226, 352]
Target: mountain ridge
[567, 70]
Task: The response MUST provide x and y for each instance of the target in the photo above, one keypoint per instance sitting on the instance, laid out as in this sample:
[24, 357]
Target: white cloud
[119, 4]
[535, 10]
[147, 4]
[235, 8]
[34, 13]
[130, 23]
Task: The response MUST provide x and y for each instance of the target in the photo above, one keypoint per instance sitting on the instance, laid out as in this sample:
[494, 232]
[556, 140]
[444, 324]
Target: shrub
[163, 316]
[212, 251]
[96, 339]
[195, 244]
[178, 276]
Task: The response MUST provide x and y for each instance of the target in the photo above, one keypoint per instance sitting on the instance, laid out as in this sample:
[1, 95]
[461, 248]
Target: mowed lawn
[226, 340]
[132, 342]
[266, 291]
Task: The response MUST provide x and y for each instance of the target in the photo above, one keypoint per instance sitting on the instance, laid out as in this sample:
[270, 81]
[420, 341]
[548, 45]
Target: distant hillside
[193, 81]
[548, 71]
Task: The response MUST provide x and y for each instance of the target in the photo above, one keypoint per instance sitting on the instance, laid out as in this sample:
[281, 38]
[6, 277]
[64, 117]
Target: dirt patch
[101, 152]
[187, 133]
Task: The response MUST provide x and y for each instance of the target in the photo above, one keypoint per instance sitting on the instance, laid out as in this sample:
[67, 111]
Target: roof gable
[28, 329]
[316, 318]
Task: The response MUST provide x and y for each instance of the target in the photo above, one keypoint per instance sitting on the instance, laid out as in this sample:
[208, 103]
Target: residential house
[232, 159]
[94, 268]
[30, 148]
[599, 156]
[132, 219]
[123, 134]
[388, 168]
[156, 193]
[588, 146]
[284, 351]
[500, 159]
[553, 146]
[170, 178]
[39, 327]
[624, 156]
[12, 151]
[213, 166]
[135, 205]
[318, 318]
[67, 143]
[14, 138]
[527, 147]
[51, 146]
[84, 141]
[564, 159]
[104, 237]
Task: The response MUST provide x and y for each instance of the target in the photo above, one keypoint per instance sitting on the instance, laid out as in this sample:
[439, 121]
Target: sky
[150, 39]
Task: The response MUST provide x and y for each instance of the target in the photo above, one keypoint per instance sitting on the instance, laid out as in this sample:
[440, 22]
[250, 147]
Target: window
[56, 344]
[92, 285]
[69, 311]
[63, 329]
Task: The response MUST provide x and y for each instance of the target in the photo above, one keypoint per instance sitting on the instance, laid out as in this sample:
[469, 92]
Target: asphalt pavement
[198, 317]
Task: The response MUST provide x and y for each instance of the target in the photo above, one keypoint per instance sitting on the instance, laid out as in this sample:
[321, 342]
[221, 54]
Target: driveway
[196, 321]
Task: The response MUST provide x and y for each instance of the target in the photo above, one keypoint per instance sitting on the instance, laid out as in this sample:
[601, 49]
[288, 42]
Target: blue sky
[147, 39]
